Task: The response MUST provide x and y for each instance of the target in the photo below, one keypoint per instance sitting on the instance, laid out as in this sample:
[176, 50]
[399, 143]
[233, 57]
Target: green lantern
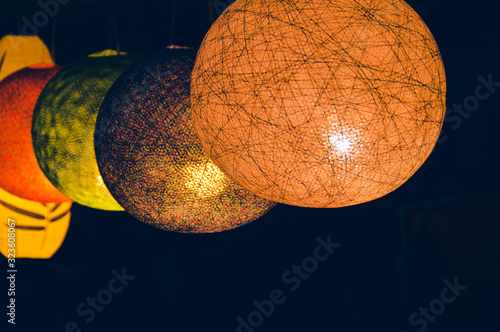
[64, 123]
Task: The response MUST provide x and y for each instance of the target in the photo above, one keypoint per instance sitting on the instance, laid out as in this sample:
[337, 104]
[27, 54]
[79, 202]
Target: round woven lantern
[17, 52]
[21, 174]
[39, 229]
[319, 103]
[64, 124]
[151, 160]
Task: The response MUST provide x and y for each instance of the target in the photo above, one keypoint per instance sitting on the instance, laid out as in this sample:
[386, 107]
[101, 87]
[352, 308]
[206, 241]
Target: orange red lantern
[21, 174]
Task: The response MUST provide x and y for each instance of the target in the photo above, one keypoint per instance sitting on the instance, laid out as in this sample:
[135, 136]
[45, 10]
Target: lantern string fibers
[21, 174]
[319, 103]
[151, 159]
[64, 124]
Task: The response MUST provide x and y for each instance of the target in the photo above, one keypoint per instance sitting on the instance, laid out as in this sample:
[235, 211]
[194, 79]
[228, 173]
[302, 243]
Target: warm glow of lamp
[206, 180]
[21, 174]
[17, 52]
[319, 103]
[64, 124]
[151, 160]
[39, 229]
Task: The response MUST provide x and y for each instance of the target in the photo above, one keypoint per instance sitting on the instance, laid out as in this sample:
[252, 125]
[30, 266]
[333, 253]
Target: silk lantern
[21, 174]
[151, 160]
[39, 229]
[319, 103]
[17, 52]
[64, 124]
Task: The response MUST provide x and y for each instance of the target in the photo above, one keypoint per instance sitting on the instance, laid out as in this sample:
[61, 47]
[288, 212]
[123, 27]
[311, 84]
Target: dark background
[395, 251]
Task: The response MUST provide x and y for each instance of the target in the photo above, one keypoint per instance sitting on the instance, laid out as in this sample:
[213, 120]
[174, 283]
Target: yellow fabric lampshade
[39, 229]
[319, 103]
[17, 52]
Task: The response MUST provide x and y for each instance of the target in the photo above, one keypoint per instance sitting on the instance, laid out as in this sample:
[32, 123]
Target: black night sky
[394, 254]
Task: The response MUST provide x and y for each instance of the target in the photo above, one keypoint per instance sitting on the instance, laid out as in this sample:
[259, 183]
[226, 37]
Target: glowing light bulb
[341, 142]
[206, 180]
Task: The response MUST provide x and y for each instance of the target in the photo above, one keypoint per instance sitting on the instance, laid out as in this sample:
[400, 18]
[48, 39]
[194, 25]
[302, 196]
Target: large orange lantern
[64, 123]
[151, 159]
[31, 229]
[319, 103]
[17, 52]
[21, 174]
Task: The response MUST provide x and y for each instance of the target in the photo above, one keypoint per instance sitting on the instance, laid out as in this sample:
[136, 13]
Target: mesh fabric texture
[151, 160]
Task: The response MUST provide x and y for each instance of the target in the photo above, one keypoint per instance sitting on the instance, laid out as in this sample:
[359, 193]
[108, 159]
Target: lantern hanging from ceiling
[319, 103]
[151, 160]
[39, 228]
[17, 52]
[64, 123]
[21, 174]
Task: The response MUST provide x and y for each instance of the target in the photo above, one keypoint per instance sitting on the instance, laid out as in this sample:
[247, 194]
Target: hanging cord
[115, 30]
[64, 37]
[129, 27]
[172, 25]
[109, 32]
[211, 11]
[53, 42]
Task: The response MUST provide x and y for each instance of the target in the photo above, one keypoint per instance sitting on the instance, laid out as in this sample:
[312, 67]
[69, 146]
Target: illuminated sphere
[21, 174]
[40, 228]
[64, 124]
[151, 160]
[319, 103]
